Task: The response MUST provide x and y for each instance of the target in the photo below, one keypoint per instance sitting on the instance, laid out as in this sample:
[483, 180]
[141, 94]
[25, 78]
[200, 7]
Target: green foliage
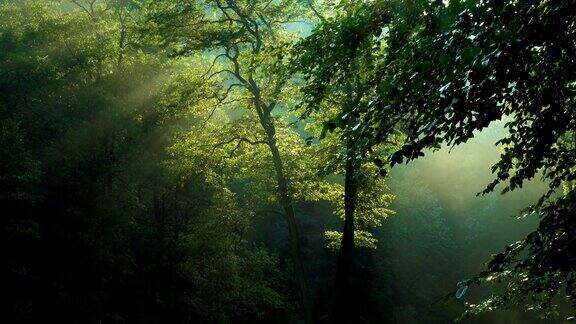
[107, 229]
[496, 59]
[151, 150]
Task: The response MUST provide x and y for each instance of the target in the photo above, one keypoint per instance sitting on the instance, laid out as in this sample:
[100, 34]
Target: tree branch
[316, 12]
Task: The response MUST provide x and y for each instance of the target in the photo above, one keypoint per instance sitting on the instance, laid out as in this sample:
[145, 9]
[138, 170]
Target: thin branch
[316, 12]
[255, 142]
[223, 10]
[249, 23]
[220, 103]
[221, 71]
[90, 13]
[240, 141]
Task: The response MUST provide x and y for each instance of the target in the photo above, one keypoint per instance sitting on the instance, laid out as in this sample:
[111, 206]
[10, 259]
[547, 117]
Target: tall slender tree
[247, 40]
[340, 90]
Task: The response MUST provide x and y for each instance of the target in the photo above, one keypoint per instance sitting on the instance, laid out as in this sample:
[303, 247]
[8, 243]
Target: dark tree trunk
[286, 202]
[345, 304]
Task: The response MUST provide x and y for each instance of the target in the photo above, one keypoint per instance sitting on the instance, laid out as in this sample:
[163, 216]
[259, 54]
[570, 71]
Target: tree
[338, 89]
[98, 225]
[496, 59]
[249, 39]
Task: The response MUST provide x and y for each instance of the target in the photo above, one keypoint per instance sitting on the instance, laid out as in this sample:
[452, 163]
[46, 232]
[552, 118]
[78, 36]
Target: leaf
[383, 172]
[396, 158]
[444, 87]
[461, 291]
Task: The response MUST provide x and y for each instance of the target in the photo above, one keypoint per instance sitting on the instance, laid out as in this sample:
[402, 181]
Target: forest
[288, 161]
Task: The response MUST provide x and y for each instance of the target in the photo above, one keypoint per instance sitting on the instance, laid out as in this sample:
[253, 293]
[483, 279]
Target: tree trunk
[286, 202]
[345, 309]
